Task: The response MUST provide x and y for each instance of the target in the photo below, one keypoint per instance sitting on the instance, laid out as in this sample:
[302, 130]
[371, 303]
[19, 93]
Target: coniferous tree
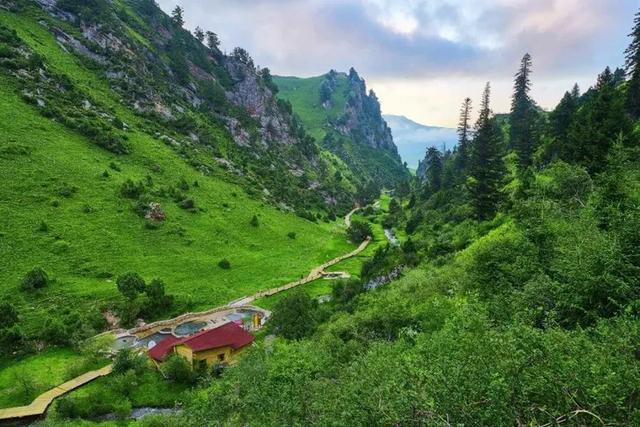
[523, 115]
[598, 123]
[212, 40]
[177, 16]
[562, 117]
[633, 70]
[199, 34]
[464, 135]
[434, 169]
[486, 168]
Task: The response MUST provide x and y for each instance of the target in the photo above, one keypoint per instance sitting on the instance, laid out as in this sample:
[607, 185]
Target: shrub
[293, 316]
[127, 360]
[187, 204]
[131, 189]
[224, 264]
[130, 285]
[8, 315]
[60, 246]
[291, 235]
[359, 231]
[35, 279]
[254, 221]
[43, 227]
[67, 191]
[177, 369]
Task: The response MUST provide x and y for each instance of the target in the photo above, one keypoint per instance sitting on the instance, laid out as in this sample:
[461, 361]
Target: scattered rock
[155, 213]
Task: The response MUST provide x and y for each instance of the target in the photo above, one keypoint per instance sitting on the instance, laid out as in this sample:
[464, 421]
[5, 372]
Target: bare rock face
[250, 92]
[362, 118]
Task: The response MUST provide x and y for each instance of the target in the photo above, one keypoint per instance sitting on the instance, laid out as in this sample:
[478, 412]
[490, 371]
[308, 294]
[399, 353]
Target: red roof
[227, 335]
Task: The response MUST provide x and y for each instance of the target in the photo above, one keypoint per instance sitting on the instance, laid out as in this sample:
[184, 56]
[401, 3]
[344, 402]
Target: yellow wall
[185, 352]
[211, 356]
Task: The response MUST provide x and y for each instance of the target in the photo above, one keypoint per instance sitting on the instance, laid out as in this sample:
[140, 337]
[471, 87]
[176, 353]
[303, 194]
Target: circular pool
[188, 328]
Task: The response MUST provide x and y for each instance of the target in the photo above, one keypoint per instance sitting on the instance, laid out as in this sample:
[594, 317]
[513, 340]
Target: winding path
[42, 402]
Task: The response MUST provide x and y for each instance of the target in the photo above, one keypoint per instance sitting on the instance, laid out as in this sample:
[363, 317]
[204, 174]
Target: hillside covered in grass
[129, 145]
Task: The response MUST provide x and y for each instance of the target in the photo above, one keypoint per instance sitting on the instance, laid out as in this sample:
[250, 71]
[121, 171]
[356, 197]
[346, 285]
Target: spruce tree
[633, 70]
[464, 136]
[212, 40]
[199, 34]
[177, 16]
[523, 115]
[486, 168]
[598, 123]
[562, 117]
[434, 169]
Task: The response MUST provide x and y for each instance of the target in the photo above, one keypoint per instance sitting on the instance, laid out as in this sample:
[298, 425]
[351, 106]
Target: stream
[391, 237]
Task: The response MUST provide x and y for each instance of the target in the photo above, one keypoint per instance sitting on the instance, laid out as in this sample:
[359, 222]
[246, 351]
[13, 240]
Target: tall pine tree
[522, 136]
[434, 170]
[464, 136]
[562, 117]
[633, 70]
[177, 16]
[598, 123]
[486, 167]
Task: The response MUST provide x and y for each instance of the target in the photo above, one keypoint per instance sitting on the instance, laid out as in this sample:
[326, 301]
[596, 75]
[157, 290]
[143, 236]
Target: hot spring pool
[126, 341]
[188, 328]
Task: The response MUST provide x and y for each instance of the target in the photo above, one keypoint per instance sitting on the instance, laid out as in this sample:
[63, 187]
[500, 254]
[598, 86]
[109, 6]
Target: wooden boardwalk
[42, 402]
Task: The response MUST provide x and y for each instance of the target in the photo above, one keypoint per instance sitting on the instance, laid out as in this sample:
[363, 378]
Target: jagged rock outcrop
[362, 119]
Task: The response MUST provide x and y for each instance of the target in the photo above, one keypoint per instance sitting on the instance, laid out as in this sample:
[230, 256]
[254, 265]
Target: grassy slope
[45, 370]
[304, 95]
[352, 265]
[112, 239]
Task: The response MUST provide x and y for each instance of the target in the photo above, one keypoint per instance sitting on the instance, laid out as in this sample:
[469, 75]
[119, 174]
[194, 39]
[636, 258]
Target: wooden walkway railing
[42, 402]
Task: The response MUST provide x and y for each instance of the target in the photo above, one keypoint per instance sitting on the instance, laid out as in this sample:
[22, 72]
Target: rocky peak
[362, 118]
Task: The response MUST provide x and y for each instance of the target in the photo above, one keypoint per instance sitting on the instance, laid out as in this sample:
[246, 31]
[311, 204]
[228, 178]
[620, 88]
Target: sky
[423, 57]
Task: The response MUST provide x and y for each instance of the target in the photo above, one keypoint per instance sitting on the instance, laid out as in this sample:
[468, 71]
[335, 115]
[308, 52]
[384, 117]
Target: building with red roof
[218, 345]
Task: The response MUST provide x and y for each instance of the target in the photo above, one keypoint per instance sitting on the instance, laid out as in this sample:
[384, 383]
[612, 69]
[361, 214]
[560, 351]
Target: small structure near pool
[218, 345]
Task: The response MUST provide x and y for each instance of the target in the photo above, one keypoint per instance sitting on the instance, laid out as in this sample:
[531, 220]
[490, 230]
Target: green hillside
[304, 95]
[77, 207]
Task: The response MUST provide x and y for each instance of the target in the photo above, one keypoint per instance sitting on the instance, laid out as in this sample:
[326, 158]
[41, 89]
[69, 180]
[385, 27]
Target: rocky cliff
[362, 119]
[339, 112]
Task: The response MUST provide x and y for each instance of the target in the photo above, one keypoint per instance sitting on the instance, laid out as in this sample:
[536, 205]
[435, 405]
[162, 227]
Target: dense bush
[293, 316]
[130, 285]
[131, 189]
[177, 369]
[224, 264]
[128, 360]
[37, 278]
[358, 231]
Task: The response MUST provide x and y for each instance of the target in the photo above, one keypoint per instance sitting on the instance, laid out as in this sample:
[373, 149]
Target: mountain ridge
[413, 138]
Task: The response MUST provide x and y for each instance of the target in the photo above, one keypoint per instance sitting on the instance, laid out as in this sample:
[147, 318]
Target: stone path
[42, 402]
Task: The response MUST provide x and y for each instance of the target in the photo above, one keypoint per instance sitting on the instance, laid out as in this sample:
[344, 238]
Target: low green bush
[37, 278]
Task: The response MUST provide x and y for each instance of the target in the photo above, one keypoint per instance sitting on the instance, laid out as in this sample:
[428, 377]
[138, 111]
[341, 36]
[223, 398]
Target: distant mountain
[338, 111]
[412, 139]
